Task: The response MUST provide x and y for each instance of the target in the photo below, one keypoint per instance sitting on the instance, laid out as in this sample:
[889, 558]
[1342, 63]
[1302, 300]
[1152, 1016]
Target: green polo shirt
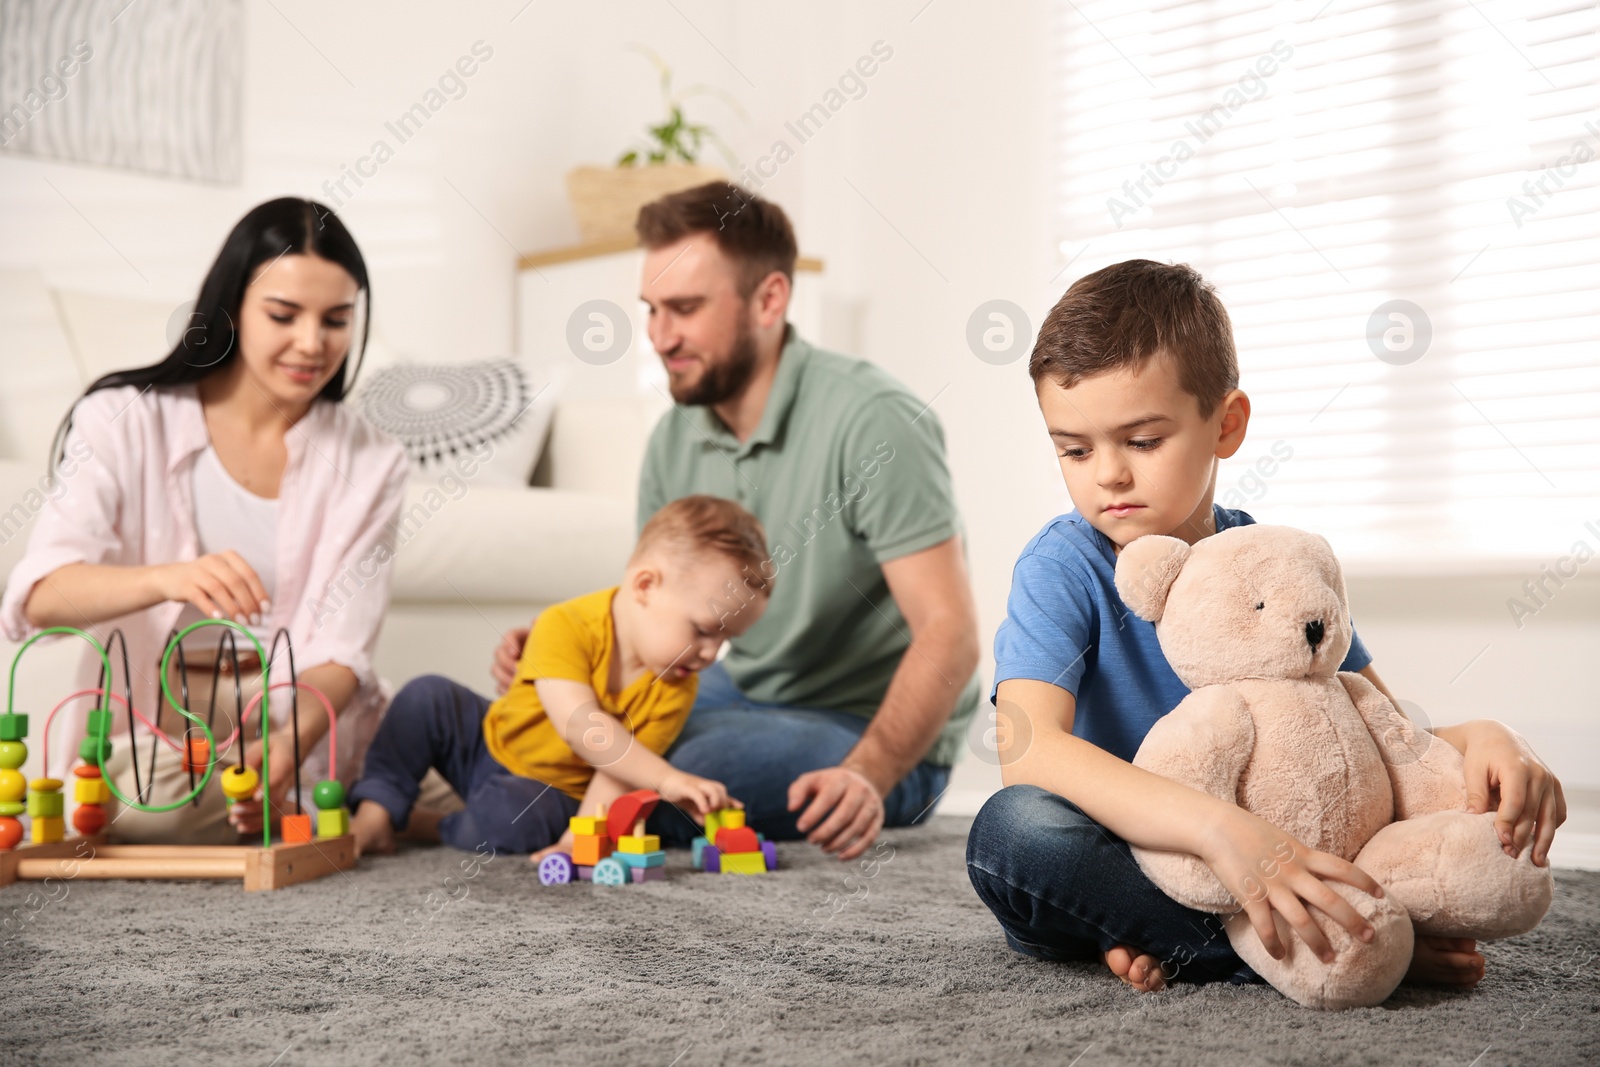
[846, 471]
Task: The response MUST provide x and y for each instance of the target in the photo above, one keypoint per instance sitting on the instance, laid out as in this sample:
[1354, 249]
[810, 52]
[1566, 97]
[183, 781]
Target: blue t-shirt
[1066, 625]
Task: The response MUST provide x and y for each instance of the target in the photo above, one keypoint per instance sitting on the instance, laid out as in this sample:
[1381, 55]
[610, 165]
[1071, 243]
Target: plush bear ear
[1146, 570]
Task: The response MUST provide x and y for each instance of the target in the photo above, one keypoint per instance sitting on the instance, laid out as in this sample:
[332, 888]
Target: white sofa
[488, 558]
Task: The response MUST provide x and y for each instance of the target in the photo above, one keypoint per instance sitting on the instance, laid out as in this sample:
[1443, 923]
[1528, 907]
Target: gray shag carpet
[433, 956]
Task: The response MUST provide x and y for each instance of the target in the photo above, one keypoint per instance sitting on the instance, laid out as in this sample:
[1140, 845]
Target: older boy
[1137, 379]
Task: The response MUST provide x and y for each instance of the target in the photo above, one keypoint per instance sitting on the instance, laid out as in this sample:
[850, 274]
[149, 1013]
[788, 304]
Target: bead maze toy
[296, 857]
[605, 852]
[730, 847]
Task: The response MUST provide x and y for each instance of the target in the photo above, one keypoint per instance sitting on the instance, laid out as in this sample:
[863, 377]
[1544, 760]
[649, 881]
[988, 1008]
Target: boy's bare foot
[1138, 969]
[1446, 961]
[373, 833]
[423, 825]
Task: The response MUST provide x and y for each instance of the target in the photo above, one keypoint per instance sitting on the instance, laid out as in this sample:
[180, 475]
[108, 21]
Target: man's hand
[1504, 775]
[507, 656]
[855, 804]
[1268, 871]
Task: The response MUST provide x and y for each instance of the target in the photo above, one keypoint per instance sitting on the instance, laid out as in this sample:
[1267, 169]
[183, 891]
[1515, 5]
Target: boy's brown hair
[1121, 315]
[700, 524]
[753, 232]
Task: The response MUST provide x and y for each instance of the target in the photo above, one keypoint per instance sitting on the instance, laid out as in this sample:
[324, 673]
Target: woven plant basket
[607, 199]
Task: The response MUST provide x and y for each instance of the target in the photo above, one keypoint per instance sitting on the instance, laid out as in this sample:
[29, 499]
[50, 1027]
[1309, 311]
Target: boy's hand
[507, 656]
[1268, 871]
[563, 844]
[1505, 775]
[701, 795]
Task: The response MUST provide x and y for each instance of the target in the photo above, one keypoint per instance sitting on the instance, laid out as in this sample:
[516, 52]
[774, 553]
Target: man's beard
[721, 381]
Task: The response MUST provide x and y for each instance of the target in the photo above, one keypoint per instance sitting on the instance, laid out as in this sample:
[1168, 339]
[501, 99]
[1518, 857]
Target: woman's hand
[507, 656]
[1505, 776]
[245, 815]
[1268, 872]
[702, 795]
[221, 585]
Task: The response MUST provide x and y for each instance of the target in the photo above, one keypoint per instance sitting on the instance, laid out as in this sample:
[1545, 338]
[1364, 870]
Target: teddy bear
[1255, 621]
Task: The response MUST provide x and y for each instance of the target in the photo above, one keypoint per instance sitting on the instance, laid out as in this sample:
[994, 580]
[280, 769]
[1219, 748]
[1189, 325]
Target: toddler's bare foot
[1446, 961]
[1138, 969]
[373, 833]
[423, 825]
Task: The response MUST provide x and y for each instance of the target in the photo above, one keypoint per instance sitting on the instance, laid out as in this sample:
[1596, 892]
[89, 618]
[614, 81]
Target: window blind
[1399, 204]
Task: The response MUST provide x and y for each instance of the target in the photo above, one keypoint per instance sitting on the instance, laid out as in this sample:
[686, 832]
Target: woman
[229, 480]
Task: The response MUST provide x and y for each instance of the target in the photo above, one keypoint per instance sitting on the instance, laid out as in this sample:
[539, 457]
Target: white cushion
[440, 411]
[39, 378]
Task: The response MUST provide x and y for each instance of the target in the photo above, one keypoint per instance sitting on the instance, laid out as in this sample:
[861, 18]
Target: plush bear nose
[1314, 633]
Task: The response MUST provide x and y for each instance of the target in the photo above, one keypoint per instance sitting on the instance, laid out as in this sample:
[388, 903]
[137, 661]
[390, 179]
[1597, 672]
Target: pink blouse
[129, 503]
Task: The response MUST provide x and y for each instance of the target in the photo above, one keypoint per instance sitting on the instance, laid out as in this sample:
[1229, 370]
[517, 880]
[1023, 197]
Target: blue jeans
[433, 722]
[757, 750]
[1066, 888]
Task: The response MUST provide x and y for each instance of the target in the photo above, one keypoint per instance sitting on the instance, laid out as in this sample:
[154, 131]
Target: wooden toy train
[613, 849]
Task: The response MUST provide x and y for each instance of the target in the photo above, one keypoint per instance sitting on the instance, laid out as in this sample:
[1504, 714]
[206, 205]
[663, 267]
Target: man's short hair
[754, 233]
[1122, 315]
[698, 525]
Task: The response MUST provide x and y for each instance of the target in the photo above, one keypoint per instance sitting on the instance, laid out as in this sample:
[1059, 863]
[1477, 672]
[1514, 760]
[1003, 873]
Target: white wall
[927, 196]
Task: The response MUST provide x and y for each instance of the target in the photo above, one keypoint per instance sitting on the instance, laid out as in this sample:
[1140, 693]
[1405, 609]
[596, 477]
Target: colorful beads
[296, 829]
[10, 832]
[95, 750]
[334, 822]
[13, 754]
[13, 786]
[91, 792]
[239, 783]
[48, 829]
[196, 755]
[89, 819]
[12, 807]
[94, 790]
[13, 727]
[327, 795]
[45, 799]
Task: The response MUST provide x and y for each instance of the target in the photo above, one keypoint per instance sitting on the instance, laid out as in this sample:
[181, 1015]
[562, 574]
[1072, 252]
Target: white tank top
[227, 515]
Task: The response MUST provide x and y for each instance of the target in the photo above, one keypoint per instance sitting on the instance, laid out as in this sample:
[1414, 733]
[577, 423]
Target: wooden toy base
[260, 868]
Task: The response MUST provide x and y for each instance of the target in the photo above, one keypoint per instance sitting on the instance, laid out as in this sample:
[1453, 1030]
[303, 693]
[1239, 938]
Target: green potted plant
[607, 199]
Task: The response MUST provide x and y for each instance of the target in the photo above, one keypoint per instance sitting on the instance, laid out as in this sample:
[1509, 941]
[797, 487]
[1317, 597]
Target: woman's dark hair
[283, 227]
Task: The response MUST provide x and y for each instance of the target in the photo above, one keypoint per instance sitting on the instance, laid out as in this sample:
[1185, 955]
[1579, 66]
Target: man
[843, 708]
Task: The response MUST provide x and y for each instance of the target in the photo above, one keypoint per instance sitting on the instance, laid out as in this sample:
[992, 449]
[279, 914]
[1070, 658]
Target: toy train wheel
[555, 869]
[770, 850]
[610, 872]
[711, 859]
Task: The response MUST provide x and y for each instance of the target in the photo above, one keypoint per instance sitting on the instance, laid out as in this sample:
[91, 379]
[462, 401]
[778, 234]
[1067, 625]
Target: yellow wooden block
[91, 791]
[732, 819]
[587, 825]
[713, 824]
[335, 822]
[48, 829]
[744, 863]
[636, 845]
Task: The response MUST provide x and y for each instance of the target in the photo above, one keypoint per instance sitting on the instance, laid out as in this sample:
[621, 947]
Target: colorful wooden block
[239, 783]
[91, 791]
[638, 845]
[744, 863]
[740, 839]
[696, 852]
[732, 818]
[713, 824]
[48, 829]
[585, 874]
[587, 825]
[590, 849]
[333, 823]
[641, 859]
[648, 874]
[297, 829]
[628, 809]
[14, 727]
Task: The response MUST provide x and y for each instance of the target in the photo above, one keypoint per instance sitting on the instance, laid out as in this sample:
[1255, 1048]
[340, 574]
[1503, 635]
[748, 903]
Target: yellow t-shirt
[575, 640]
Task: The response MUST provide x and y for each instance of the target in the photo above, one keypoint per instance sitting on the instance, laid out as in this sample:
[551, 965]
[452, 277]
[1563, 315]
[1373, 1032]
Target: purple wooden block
[585, 874]
[769, 849]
